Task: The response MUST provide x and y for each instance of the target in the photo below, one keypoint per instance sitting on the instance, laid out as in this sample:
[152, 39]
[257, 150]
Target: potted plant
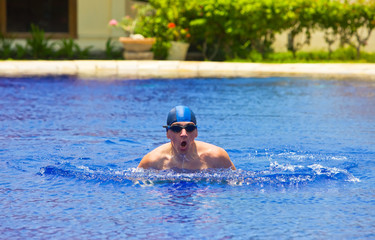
[179, 42]
[170, 24]
[136, 46]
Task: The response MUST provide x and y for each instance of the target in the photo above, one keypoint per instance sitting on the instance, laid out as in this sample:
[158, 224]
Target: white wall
[317, 42]
[92, 21]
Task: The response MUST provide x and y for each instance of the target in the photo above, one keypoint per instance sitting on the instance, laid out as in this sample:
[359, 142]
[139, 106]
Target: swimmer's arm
[155, 158]
[147, 163]
[221, 159]
[226, 160]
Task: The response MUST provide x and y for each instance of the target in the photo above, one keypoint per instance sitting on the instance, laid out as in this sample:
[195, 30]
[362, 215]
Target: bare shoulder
[214, 156]
[155, 158]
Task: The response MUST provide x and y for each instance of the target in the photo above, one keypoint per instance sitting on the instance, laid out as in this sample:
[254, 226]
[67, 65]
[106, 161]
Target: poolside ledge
[125, 69]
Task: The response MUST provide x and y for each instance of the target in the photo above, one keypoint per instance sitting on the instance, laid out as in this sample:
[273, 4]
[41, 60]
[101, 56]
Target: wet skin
[184, 152]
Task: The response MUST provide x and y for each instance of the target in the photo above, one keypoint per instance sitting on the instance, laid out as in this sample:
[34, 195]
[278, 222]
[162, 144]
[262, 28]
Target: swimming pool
[304, 150]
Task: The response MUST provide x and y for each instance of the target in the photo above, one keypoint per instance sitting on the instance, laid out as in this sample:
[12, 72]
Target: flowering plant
[177, 33]
[133, 27]
[127, 24]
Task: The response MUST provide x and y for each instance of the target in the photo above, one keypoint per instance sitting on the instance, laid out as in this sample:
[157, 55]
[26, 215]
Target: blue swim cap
[181, 114]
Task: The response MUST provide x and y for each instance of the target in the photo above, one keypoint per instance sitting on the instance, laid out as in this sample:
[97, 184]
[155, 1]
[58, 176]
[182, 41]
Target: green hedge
[225, 29]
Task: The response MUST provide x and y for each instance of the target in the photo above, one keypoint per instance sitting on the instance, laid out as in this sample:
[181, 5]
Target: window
[58, 18]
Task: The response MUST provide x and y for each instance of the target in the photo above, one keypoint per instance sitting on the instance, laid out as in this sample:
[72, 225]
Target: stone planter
[178, 51]
[137, 49]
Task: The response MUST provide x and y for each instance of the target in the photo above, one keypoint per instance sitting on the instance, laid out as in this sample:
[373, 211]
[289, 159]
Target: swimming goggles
[178, 128]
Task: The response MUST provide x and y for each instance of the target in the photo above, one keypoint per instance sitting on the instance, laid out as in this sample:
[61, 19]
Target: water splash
[277, 175]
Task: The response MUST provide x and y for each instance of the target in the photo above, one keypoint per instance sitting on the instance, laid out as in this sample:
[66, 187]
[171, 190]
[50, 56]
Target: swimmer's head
[181, 114]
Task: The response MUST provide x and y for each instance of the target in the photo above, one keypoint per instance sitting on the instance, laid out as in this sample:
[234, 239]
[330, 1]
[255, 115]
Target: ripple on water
[277, 175]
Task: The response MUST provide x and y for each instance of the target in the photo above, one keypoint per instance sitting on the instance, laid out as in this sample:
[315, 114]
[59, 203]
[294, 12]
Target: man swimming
[183, 152]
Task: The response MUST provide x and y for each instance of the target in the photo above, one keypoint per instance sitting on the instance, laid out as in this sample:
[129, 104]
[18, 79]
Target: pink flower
[113, 22]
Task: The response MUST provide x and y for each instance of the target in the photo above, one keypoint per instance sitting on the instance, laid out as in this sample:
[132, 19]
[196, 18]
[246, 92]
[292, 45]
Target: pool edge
[128, 69]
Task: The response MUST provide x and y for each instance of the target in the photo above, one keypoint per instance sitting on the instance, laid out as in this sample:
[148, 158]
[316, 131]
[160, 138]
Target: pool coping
[141, 69]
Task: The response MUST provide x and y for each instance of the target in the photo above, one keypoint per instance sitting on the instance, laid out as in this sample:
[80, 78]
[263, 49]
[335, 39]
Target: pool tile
[169, 69]
[106, 69]
[188, 69]
[38, 68]
[148, 69]
[128, 69]
[8, 68]
[85, 68]
[67, 67]
[217, 69]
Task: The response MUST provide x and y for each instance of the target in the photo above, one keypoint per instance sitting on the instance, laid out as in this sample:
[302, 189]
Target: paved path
[183, 69]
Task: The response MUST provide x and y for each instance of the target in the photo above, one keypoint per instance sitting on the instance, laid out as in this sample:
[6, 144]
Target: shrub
[111, 51]
[38, 45]
[236, 27]
[5, 47]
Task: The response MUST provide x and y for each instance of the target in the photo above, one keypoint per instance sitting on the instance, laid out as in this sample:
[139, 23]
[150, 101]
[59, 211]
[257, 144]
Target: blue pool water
[304, 150]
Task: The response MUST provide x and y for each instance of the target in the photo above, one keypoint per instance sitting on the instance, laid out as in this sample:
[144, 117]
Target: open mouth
[183, 144]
